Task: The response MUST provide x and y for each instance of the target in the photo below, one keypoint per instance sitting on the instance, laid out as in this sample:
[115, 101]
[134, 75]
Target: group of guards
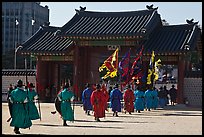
[23, 109]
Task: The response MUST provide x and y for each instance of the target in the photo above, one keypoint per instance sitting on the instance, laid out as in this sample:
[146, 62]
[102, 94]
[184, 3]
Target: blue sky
[173, 12]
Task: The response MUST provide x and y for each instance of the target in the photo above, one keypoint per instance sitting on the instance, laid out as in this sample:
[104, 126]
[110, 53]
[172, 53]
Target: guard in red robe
[98, 100]
[104, 90]
[129, 99]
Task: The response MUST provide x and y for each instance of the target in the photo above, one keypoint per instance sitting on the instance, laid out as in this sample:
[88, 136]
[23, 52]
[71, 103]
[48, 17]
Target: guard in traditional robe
[129, 99]
[104, 90]
[66, 96]
[115, 100]
[98, 100]
[86, 99]
[32, 98]
[20, 112]
[148, 98]
[155, 98]
[139, 99]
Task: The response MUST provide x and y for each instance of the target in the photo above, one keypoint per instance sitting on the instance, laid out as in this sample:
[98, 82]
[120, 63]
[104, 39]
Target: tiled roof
[99, 24]
[173, 38]
[18, 73]
[45, 41]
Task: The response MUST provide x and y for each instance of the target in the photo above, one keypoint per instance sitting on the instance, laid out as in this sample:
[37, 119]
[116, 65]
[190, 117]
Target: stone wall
[193, 91]
[7, 80]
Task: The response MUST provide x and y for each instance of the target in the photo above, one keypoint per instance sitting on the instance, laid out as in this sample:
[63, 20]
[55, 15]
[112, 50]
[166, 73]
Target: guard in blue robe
[86, 99]
[139, 100]
[115, 100]
[148, 99]
[155, 99]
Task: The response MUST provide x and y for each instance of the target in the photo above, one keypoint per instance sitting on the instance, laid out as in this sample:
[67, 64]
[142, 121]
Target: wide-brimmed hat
[116, 86]
[31, 85]
[128, 86]
[19, 83]
[98, 86]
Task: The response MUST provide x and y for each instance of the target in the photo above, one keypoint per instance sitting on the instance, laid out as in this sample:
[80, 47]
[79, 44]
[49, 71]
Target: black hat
[31, 85]
[87, 85]
[161, 87]
[116, 86]
[66, 85]
[19, 83]
[173, 86]
[98, 86]
[128, 86]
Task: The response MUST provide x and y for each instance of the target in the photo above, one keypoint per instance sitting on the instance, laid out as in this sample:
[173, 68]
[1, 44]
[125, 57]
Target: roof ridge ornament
[82, 9]
[151, 7]
[190, 22]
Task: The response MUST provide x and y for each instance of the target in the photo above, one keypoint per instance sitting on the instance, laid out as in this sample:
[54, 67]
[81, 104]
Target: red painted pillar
[181, 73]
[76, 72]
[41, 78]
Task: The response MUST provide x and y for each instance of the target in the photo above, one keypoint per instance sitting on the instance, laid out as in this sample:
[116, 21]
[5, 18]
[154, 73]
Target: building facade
[20, 20]
[84, 42]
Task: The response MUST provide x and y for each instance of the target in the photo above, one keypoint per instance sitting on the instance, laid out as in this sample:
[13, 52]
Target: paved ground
[172, 120]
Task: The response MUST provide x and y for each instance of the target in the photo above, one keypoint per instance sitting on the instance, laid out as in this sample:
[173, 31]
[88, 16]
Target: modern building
[90, 37]
[20, 20]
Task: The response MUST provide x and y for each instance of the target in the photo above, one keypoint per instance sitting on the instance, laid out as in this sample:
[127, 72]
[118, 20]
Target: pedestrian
[66, 96]
[129, 99]
[32, 98]
[115, 100]
[20, 112]
[162, 97]
[155, 99]
[139, 99]
[167, 93]
[47, 94]
[86, 99]
[148, 97]
[173, 95]
[98, 100]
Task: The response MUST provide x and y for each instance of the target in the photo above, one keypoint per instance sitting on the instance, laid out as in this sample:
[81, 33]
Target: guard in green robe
[32, 97]
[20, 113]
[66, 97]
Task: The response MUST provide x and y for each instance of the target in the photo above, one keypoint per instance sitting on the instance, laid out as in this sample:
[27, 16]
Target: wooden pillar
[76, 72]
[181, 73]
[41, 82]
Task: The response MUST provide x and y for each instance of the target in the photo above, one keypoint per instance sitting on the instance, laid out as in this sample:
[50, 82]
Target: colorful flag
[156, 69]
[111, 65]
[151, 69]
[124, 66]
[136, 69]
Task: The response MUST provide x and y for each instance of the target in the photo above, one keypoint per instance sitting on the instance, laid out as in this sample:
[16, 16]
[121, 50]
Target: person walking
[115, 100]
[148, 98]
[167, 93]
[155, 99]
[173, 95]
[129, 99]
[98, 100]
[104, 90]
[162, 97]
[86, 99]
[32, 97]
[20, 112]
[139, 99]
[66, 96]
